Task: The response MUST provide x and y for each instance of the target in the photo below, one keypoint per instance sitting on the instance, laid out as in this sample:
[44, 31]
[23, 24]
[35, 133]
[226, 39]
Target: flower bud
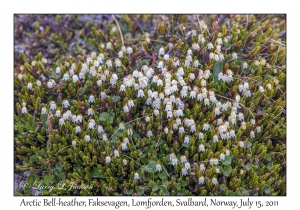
[107, 159]
[124, 161]
[87, 138]
[74, 143]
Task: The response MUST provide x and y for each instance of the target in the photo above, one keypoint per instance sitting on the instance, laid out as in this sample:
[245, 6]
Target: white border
[8, 201]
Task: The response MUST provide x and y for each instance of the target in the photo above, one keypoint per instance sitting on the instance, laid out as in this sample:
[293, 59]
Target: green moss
[238, 89]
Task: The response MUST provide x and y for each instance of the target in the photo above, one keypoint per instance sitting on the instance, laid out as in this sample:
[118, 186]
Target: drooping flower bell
[44, 110]
[61, 121]
[91, 99]
[161, 51]
[214, 181]
[201, 148]
[66, 104]
[201, 180]
[136, 176]
[184, 172]
[158, 167]
[202, 167]
[24, 110]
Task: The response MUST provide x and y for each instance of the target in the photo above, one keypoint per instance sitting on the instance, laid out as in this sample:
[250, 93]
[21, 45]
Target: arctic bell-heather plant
[153, 105]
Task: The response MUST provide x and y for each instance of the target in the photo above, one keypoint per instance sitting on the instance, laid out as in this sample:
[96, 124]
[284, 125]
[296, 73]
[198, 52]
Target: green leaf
[136, 136]
[222, 187]
[209, 143]
[268, 157]
[118, 132]
[163, 188]
[239, 63]
[247, 144]
[76, 168]
[147, 168]
[31, 122]
[247, 70]
[249, 166]
[218, 67]
[227, 170]
[48, 179]
[39, 153]
[227, 160]
[31, 179]
[56, 171]
[27, 173]
[230, 193]
[44, 120]
[183, 183]
[180, 192]
[152, 164]
[143, 155]
[103, 116]
[150, 167]
[157, 144]
[139, 190]
[185, 145]
[178, 186]
[270, 165]
[32, 158]
[58, 166]
[20, 128]
[153, 186]
[128, 126]
[129, 192]
[163, 175]
[220, 169]
[62, 176]
[95, 174]
[245, 192]
[111, 117]
[266, 188]
[238, 193]
[115, 98]
[165, 181]
[114, 138]
[161, 142]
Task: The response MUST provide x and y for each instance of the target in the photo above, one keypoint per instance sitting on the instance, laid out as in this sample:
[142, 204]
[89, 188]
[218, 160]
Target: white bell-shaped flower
[136, 176]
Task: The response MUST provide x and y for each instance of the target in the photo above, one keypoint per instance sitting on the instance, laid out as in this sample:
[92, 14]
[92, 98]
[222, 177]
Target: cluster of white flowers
[166, 93]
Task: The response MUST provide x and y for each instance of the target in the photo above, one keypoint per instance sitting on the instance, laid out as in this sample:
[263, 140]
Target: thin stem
[115, 19]
[132, 160]
[165, 170]
[238, 103]
[126, 124]
[199, 24]
[61, 150]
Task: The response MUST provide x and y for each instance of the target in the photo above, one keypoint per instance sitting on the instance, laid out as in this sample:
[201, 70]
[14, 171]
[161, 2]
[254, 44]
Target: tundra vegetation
[189, 105]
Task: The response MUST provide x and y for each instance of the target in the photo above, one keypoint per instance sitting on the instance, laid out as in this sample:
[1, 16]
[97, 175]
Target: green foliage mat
[150, 105]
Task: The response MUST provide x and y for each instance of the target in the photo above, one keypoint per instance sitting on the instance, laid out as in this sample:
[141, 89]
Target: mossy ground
[242, 76]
